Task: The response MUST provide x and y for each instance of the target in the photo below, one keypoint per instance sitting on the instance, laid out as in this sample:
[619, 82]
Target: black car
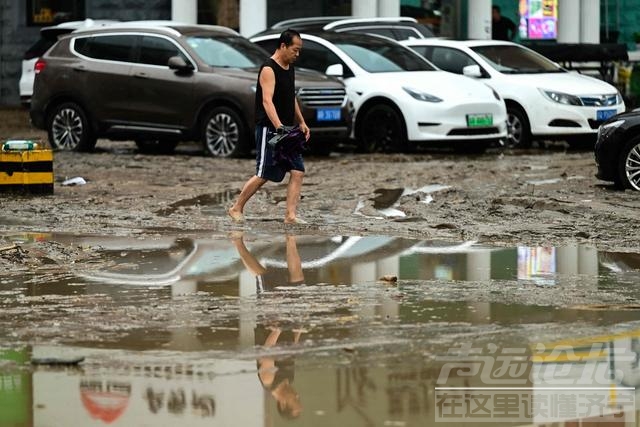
[617, 150]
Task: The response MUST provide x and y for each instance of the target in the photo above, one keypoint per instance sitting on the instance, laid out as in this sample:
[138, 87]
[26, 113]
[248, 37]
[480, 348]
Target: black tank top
[284, 95]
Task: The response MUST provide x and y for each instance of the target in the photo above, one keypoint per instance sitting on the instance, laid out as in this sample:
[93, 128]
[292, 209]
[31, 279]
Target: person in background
[502, 28]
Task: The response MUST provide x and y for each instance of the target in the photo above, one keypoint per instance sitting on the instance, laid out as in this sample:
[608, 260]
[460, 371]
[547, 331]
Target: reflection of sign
[537, 264]
[105, 401]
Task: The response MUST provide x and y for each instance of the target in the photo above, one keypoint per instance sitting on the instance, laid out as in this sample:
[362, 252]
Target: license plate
[328, 114]
[605, 114]
[479, 120]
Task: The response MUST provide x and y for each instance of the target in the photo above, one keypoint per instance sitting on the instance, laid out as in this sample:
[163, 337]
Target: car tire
[381, 130]
[518, 128]
[156, 146]
[629, 164]
[224, 133]
[69, 129]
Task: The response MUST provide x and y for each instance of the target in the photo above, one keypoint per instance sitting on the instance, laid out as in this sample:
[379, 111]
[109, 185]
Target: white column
[253, 16]
[364, 8]
[479, 19]
[567, 260]
[184, 11]
[389, 8]
[568, 21]
[590, 21]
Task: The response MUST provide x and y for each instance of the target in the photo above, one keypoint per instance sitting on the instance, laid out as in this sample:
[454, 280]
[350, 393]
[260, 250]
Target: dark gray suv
[162, 83]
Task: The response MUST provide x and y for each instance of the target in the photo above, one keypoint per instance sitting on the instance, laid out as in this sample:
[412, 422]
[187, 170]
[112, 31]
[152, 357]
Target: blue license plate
[605, 114]
[328, 114]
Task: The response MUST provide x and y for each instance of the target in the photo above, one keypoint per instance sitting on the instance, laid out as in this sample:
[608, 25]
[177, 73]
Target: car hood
[570, 83]
[438, 83]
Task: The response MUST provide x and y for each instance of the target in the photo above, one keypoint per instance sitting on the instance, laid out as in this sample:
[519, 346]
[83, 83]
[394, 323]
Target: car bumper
[553, 119]
[437, 122]
[607, 152]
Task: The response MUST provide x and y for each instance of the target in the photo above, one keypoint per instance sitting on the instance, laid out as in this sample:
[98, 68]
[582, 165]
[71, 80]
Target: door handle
[141, 75]
[80, 68]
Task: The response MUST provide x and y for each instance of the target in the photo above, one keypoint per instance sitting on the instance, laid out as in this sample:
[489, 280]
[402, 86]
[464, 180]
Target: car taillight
[39, 66]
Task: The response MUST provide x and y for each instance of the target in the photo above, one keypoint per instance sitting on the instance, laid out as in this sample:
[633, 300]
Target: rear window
[48, 37]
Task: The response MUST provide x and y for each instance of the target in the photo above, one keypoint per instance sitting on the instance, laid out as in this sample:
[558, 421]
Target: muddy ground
[546, 195]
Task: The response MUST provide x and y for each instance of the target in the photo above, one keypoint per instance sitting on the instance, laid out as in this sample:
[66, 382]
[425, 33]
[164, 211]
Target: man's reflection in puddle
[276, 373]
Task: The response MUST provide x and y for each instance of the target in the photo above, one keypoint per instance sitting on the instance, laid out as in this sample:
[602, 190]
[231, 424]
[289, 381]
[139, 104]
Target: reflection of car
[48, 36]
[399, 98]
[396, 28]
[162, 83]
[543, 100]
[617, 150]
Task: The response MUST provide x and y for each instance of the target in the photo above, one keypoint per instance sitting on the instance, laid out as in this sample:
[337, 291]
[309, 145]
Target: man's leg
[250, 187]
[293, 195]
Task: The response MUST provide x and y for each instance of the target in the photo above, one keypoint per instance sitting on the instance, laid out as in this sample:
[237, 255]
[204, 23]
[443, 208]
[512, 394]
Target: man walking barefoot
[276, 107]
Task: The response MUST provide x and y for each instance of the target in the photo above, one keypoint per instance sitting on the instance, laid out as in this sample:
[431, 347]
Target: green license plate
[479, 120]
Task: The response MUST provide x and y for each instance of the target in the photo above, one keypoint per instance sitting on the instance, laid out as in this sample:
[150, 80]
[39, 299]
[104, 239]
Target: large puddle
[267, 330]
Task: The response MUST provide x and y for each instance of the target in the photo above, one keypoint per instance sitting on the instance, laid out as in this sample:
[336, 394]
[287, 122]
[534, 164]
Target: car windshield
[510, 59]
[227, 51]
[383, 56]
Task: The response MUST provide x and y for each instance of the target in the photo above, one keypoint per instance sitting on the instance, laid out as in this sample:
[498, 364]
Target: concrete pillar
[389, 8]
[253, 16]
[185, 11]
[364, 8]
[479, 19]
[568, 22]
[590, 21]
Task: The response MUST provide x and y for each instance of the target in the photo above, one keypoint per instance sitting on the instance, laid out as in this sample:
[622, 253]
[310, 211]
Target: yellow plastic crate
[28, 171]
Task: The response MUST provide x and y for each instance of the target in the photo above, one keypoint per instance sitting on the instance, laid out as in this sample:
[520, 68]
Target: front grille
[599, 100]
[477, 131]
[322, 97]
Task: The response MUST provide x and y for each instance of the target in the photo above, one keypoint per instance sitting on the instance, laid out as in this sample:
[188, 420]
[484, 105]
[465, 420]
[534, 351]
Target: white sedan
[544, 101]
[400, 99]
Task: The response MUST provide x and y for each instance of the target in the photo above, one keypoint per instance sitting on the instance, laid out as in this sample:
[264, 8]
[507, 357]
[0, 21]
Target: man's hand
[305, 129]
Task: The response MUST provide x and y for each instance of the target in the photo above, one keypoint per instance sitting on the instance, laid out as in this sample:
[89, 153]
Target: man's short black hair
[496, 8]
[287, 36]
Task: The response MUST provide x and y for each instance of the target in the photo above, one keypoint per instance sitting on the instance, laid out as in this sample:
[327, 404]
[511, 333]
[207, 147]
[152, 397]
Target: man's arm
[268, 84]
[300, 119]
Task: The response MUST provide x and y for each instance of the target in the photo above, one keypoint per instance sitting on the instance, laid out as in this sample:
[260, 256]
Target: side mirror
[472, 71]
[179, 64]
[335, 70]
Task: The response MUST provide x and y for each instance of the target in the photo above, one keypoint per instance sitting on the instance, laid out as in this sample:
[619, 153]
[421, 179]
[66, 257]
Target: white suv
[48, 36]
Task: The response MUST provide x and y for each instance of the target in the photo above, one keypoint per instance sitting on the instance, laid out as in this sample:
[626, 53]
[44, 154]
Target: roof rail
[288, 22]
[334, 24]
[165, 24]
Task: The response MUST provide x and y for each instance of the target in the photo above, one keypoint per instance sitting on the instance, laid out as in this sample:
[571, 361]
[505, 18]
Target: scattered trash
[78, 180]
[389, 278]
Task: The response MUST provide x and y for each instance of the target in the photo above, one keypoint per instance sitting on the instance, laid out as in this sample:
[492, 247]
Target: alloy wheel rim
[67, 129]
[222, 135]
[514, 130]
[632, 167]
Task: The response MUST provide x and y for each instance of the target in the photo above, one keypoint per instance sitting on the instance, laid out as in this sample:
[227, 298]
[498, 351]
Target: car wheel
[629, 164]
[518, 130]
[152, 146]
[381, 130]
[224, 133]
[69, 129]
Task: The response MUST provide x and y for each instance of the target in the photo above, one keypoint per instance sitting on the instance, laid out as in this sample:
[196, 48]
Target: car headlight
[561, 98]
[619, 99]
[421, 96]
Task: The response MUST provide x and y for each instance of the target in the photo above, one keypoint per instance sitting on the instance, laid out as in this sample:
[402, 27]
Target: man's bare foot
[235, 215]
[295, 221]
